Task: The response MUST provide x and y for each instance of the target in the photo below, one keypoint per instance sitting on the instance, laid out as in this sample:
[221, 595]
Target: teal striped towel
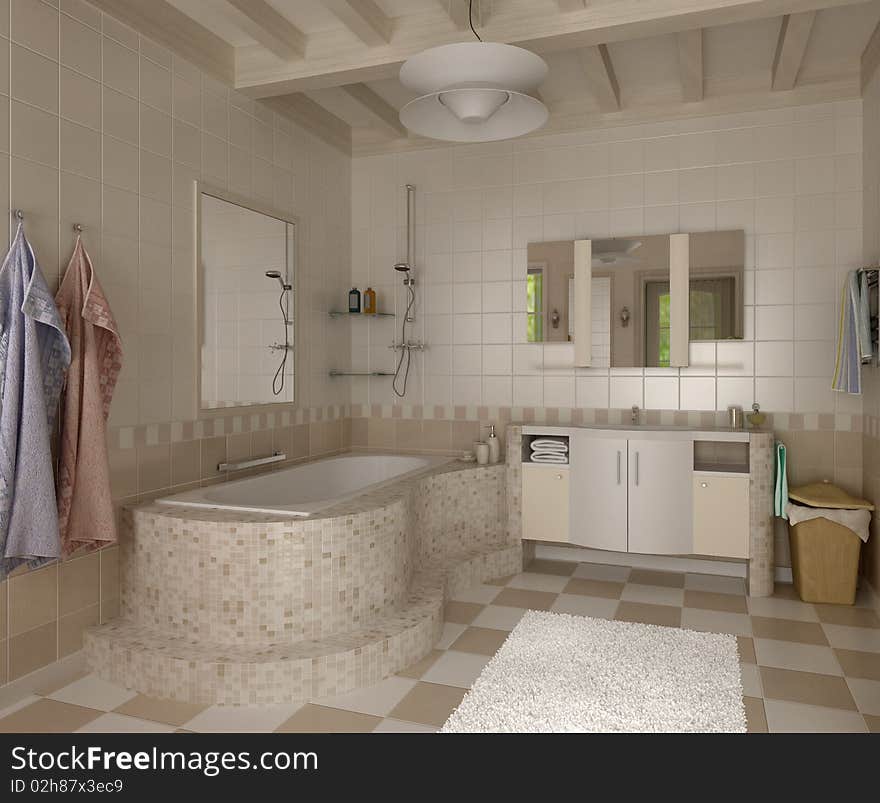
[780, 495]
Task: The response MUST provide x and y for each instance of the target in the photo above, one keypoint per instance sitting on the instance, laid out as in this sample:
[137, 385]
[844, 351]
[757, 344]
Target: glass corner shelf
[338, 313]
[360, 373]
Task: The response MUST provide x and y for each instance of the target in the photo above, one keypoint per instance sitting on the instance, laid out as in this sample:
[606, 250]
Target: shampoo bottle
[369, 301]
[494, 445]
[354, 300]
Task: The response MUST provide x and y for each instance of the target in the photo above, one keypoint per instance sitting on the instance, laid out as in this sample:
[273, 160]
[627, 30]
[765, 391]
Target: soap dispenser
[494, 445]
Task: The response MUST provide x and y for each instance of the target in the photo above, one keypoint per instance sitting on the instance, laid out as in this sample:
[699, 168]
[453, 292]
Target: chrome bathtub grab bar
[276, 457]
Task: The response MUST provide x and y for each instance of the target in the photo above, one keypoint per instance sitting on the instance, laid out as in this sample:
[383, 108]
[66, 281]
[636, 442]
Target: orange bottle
[369, 301]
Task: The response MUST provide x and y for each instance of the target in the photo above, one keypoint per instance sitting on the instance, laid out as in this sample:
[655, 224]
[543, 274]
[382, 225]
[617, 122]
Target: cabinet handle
[618, 467]
[637, 468]
[559, 476]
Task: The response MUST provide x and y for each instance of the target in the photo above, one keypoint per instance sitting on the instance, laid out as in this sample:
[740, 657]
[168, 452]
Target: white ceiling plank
[340, 62]
[272, 30]
[167, 26]
[690, 64]
[364, 19]
[570, 5]
[870, 57]
[313, 117]
[600, 78]
[380, 111]
[793, 37]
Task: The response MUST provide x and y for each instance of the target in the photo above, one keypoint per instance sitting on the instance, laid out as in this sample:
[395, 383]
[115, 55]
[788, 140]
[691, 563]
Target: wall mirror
[245, 290]
[628, 312]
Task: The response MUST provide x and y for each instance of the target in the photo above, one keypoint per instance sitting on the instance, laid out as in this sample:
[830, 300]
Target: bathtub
[306, 489]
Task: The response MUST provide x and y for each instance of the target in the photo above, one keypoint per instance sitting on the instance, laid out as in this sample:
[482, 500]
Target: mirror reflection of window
[535, 304]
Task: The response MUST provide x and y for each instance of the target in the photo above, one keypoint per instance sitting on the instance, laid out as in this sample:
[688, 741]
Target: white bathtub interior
[306, 489]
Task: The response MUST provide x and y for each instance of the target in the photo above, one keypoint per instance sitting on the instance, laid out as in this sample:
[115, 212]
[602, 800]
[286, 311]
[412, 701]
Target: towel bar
[276, 457]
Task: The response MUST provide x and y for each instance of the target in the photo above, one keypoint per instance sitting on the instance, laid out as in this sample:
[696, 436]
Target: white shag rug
[562, 673]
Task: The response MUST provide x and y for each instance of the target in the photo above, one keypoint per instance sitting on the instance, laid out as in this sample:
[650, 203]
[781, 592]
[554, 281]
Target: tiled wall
[102, 127]
[871, 376]
[791, 178]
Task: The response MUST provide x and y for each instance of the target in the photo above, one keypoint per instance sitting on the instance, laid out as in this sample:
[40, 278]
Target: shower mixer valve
[410, 345]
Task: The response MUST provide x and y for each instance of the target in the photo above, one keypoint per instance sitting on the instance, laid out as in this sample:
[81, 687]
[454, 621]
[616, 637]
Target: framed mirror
[246, 299]
[631, 309]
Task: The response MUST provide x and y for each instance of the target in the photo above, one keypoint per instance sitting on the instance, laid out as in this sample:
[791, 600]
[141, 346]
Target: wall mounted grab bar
[276, 457]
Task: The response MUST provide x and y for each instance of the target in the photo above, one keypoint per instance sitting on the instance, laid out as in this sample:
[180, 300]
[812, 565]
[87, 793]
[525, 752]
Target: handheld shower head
[402, 267]
[274, 274]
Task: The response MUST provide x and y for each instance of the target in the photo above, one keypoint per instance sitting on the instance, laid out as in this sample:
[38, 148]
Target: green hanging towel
[780, 497]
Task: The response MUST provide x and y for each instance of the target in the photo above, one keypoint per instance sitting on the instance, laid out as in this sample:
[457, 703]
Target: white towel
[550, 457]
[858, 521]
[549, 445]
[847, 368]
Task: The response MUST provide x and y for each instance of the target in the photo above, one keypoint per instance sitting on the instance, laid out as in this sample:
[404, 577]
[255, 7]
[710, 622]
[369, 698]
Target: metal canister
[735, 416]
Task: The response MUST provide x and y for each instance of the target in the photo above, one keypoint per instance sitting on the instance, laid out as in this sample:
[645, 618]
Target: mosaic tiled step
[240, 674]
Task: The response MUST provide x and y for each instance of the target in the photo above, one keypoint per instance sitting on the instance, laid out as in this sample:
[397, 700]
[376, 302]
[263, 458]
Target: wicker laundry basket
[825, 554]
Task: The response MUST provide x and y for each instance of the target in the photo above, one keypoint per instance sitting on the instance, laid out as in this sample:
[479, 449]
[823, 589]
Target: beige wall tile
[123, 472]
[359, 427]
[80, 99]
[4, 653]
[80, 150]
[33, 599]
[186, 100]
[119, 32]
[408, 435]
[154, 467]
[109, 609]
[34, 79]
[185, 462]
[380, 433]
[261, 443]
[34, 134]
[155, 85]
[120, 116]
[213, 453]
[80, 47]
[300, 447]
[80, 584]
[120, 67]
[83, 11]
[71, 627]
[4, 592]
[121, 167]
[4, 66]
[35, 25]
[238, 447]
[155, 131]
[464, 433]
[109, 572]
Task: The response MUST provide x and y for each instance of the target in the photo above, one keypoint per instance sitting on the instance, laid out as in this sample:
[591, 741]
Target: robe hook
[77, 227]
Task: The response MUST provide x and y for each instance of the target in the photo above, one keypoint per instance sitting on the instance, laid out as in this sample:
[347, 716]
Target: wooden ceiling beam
[336, 63]
[272, 30]
[794, 34]
[381, 112]
[305, 112]
[171, 28]
[690, 64]
[364, 19]
[870, 57]
[600, 77]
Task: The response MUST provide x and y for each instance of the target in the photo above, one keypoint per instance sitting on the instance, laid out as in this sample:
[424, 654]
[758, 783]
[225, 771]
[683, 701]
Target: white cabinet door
[660, 497]
[598, 491]
[545, 502]
[721, 515]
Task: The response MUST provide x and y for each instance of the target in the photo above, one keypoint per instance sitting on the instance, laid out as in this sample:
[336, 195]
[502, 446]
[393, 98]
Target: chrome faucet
[635, 414]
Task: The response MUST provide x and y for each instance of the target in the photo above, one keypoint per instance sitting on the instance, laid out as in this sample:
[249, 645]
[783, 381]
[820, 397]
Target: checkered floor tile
[804, 667]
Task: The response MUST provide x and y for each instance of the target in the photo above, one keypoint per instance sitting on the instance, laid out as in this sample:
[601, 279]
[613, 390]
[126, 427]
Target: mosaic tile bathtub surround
[284, 609]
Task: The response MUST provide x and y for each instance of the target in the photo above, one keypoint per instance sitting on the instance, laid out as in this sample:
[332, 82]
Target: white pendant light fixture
[473, 91]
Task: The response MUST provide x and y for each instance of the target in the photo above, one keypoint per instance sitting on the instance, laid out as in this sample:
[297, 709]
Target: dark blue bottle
[354, 300]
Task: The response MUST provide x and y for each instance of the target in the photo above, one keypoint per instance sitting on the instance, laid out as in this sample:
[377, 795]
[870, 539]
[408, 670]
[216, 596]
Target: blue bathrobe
[34, 357]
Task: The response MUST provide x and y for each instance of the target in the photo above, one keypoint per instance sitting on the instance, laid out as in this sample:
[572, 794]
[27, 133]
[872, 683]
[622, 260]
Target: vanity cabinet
[721, 514]
[598, 506]
[660, 496]
[545, 502]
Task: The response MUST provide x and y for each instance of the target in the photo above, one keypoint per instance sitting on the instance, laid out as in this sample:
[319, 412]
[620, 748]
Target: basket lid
[824, 494]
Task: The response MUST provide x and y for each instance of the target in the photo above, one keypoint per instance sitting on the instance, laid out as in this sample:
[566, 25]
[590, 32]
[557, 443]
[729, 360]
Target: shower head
[406, 270]
[274, 274]
[402, 267]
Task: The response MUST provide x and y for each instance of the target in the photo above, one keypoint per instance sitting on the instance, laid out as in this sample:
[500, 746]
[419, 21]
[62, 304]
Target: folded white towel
[550, 457]
[549, 445]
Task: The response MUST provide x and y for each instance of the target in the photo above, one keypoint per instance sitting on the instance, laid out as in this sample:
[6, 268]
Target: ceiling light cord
[471, 20]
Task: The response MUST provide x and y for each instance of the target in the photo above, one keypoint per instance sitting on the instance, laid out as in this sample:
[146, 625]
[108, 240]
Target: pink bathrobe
[85, 505]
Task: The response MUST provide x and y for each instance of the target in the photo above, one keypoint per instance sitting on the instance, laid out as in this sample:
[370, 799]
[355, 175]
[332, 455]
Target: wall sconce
[624, 317]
